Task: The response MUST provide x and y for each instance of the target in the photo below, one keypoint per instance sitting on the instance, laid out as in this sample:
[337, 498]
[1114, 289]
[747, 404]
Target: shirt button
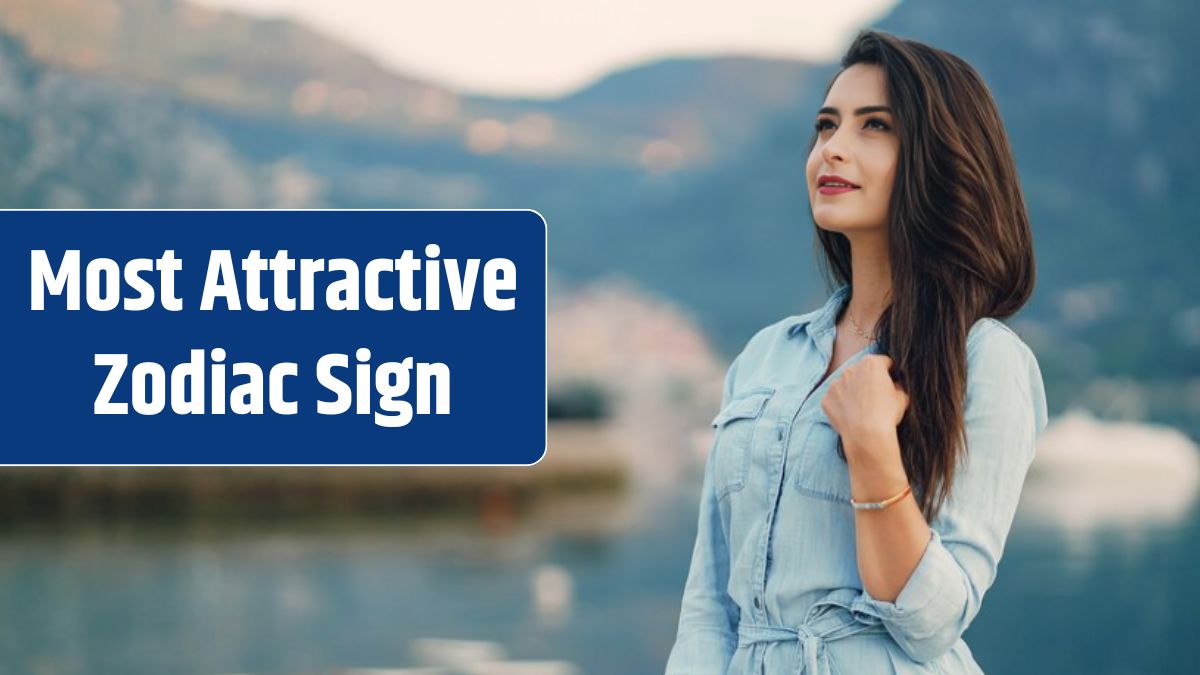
[781, 434]
[757, 603]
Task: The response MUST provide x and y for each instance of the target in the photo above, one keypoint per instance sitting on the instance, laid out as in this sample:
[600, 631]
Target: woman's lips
[834, 190]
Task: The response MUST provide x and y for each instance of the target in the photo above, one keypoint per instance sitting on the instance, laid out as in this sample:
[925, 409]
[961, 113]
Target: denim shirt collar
[823, 319]
[822, 322]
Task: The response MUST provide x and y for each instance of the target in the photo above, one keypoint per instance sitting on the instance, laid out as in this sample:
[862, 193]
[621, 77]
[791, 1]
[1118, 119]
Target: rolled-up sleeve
[1005, 413]
[707, 634]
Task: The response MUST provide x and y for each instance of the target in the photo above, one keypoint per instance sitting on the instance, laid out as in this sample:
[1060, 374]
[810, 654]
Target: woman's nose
[832, 152]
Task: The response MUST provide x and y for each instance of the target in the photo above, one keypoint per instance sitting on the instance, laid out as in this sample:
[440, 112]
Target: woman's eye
[823, 124]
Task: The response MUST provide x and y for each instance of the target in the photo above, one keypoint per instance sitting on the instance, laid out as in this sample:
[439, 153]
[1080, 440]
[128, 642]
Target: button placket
[781, 433]
[779, 453]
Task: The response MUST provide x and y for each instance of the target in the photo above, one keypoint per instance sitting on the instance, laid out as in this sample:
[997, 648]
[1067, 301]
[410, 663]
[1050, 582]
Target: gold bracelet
[883, 504]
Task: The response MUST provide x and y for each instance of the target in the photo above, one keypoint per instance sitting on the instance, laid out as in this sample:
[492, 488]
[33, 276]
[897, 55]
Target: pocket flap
[745, 406]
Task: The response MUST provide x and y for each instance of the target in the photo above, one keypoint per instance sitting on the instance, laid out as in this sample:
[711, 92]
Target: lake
[593, 582]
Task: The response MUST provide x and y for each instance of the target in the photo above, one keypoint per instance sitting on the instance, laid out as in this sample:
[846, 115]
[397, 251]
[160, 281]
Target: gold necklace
[858, 330]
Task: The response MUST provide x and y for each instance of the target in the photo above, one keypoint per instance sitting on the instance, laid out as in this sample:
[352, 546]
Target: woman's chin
[844, 220]
[835, 222]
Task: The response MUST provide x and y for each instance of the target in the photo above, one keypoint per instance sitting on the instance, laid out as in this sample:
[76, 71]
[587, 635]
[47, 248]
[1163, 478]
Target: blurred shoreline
[584, 463]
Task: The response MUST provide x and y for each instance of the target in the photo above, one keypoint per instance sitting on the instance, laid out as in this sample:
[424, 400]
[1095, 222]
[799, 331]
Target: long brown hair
[959, 243]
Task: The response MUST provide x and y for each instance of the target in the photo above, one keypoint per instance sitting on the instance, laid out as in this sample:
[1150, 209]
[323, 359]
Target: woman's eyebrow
[860, 111]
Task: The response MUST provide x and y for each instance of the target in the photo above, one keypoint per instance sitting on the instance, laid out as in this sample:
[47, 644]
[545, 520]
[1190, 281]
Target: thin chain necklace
[857, 329]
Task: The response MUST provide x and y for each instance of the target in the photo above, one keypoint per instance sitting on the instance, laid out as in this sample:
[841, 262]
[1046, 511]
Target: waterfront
[593, 581]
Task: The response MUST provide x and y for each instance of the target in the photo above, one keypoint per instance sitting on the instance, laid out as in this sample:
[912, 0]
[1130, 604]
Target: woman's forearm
[890, 541]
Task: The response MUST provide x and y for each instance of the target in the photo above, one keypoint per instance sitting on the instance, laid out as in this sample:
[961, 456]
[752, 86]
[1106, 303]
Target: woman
[869, 455]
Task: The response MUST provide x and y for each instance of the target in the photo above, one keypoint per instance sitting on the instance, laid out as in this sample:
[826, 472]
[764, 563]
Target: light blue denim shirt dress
[773, 586]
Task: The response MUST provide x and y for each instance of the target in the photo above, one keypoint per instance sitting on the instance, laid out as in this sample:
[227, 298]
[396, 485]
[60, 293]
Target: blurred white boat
[1091, 476]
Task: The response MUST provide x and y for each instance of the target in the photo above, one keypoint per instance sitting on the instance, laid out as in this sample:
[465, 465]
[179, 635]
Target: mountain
[275, 68]
[248, 65]
[72, 141]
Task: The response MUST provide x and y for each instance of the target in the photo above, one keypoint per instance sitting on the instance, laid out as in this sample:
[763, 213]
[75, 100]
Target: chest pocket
[735, 425]
[821, 472]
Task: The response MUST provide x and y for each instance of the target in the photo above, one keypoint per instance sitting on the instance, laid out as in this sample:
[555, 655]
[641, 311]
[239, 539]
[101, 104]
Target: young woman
[869, 455]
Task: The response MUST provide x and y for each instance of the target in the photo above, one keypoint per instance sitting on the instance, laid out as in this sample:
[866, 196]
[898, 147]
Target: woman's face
[857, 141]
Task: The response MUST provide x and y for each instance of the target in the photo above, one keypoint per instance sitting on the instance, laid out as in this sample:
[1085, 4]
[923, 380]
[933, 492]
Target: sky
[546, 48]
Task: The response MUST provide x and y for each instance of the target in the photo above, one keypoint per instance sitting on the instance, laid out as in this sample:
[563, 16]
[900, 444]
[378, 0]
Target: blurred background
[664, 142]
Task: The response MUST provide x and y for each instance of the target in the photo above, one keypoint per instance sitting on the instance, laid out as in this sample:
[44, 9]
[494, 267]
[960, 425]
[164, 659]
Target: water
[304, 597]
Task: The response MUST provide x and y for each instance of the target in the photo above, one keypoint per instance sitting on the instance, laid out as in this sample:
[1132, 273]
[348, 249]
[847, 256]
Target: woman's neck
[871, 280]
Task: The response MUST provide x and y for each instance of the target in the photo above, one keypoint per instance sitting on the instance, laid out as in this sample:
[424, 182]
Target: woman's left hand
[864, 403]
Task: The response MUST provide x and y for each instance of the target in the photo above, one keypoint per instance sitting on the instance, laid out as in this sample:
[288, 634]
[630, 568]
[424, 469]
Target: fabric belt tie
[830, 618]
